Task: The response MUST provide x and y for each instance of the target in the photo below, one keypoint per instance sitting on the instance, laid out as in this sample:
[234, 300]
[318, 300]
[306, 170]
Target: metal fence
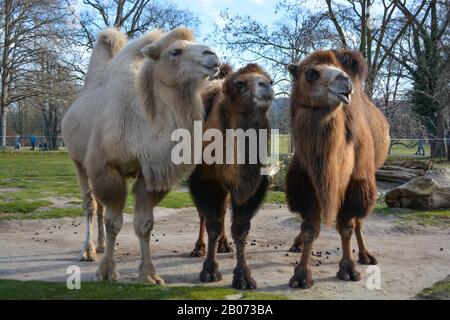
[24, 142]
[408, 148]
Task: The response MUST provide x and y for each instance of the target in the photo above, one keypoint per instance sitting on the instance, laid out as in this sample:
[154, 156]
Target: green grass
[39, 177]
[39, 290]
[23, 206]
[440, 291]
[439, 218]
[284, 144]
[277, 197]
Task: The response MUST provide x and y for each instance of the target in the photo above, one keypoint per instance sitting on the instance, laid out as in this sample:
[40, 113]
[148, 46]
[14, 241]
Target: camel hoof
[210, 276]
[367, 259]
[146, 278]
[224, 247]
[302, 279]
[198, 252]
[347, 271]
[100, 248]
[242, 279]
[210, 272]
[296, 249]
[107, 271]
[88, 254]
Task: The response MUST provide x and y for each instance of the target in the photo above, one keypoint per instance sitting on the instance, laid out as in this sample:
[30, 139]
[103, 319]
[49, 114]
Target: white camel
[120, 127]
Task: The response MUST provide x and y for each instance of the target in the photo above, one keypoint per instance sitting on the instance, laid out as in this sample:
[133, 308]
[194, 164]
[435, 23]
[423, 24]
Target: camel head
[250, 87]
[179, 60]
[323, 80]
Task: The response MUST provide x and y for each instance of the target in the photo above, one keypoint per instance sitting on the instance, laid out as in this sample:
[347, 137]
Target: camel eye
[239, 84]
[311, 75]
[176, 52]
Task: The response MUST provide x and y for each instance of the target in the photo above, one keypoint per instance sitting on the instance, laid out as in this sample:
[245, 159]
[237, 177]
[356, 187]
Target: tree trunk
[438, 146]
[3, 130]
[437, 149]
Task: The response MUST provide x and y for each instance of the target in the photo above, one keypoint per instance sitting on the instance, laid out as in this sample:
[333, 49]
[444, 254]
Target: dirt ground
[411, 257]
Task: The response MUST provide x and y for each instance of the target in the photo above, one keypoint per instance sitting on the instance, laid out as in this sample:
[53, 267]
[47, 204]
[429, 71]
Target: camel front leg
[210, 271]
[240, 228]
[107, 269]
[110, 188]
[143, 226]
[310, 229]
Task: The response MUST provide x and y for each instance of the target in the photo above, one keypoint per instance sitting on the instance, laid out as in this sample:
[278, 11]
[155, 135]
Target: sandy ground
[411, 257]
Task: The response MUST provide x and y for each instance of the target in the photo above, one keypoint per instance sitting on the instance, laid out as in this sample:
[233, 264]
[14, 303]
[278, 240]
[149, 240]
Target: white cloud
[259, 2]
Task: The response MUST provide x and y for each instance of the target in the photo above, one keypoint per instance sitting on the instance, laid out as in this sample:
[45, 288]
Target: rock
[403, 171]
[424, 165]
[422, 193]
[400, 175]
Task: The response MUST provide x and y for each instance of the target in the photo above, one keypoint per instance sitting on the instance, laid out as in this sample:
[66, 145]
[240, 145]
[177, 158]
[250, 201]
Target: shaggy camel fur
[121, 127]
[242, 104]
[209, 95]
[340, 138]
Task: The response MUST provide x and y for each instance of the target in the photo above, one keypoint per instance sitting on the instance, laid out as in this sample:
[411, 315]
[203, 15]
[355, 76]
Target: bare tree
[374, 33]
[26, 27]
[134, 17]
[424, 53]
[295, 34]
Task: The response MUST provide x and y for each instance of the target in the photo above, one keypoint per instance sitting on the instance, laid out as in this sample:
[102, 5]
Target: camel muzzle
[342, 88]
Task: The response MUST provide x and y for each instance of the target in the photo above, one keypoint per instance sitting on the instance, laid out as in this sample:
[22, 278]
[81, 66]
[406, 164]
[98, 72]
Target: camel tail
[109, 42]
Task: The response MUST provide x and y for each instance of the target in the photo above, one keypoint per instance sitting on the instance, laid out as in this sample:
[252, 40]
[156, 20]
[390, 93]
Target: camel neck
[183, 104]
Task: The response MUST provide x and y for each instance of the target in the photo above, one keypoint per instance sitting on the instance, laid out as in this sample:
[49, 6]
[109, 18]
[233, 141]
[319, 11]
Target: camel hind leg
[200, 246]
[223, 245]
[101, 228]
[364, 255]
[88, 252]
[143, 226]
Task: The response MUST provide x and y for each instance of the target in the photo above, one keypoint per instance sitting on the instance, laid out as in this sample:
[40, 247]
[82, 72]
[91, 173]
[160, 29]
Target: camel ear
[154, 50]
[353, 63]
[293, 70]
[151, 51]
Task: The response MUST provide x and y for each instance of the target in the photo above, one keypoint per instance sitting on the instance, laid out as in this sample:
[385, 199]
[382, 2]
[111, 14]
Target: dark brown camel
[241, 104]
[209, 95]
[340, 139]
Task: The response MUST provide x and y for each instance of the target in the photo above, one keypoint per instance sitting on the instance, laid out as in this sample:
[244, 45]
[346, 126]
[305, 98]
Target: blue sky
[209, 11]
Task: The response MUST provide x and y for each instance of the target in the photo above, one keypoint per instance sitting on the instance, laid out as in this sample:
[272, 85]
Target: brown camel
[209, 95]
[340, 139]
[242, 104]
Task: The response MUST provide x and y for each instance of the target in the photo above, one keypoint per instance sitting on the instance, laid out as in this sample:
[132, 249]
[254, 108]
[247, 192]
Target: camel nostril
[342, 78]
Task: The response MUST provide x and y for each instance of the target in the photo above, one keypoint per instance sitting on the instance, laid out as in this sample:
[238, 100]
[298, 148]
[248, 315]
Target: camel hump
[353, 63]
[111, 40]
